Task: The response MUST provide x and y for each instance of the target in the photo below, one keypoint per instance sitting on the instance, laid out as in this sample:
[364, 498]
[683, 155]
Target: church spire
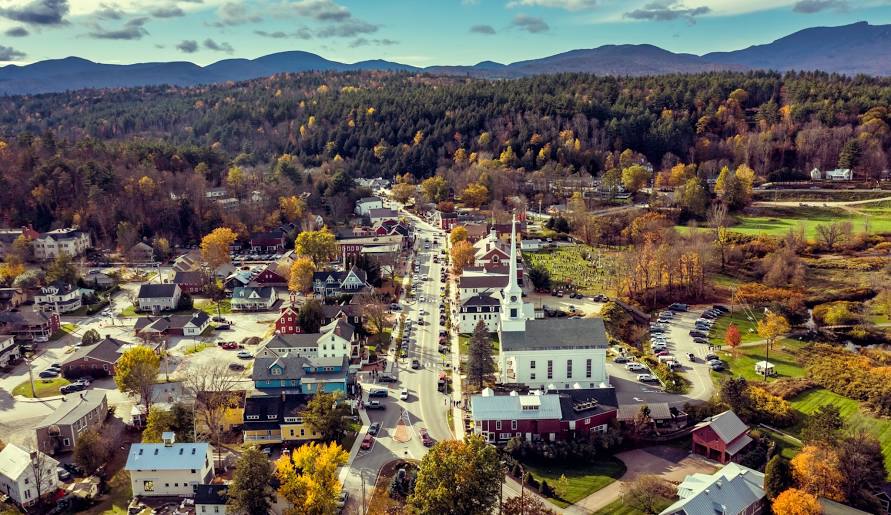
[512, 316]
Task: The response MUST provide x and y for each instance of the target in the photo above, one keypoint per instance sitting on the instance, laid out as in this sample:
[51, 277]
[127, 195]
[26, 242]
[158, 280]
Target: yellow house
[275, 419]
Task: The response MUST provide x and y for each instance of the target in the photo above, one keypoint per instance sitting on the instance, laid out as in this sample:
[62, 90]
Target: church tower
[513, 319]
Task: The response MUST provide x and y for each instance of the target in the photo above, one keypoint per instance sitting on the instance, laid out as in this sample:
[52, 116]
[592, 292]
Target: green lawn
[195, 348]
[782, 355]
[788, 447]
[618, 507]
[65, 329]
[582, 479]
[464, 344]
[43, 387]
[855, 419]
[210, 307]
[583, 266]
[747, 328]
[778, 221]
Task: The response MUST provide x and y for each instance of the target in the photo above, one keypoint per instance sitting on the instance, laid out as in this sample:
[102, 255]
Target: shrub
[838, 313]
[789, 388]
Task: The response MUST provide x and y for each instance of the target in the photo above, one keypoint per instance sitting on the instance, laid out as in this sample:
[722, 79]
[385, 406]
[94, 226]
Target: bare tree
[374, 311]
[834, 233]
[43, 470]
[213, 386]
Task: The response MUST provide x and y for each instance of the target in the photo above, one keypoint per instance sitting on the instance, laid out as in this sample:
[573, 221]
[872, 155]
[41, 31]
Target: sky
[416, 32]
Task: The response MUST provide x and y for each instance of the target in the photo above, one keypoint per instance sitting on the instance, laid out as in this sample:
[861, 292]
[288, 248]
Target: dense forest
[146, 155]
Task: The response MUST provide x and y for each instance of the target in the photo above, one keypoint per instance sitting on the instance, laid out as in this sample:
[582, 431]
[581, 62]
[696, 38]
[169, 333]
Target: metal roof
[515, 407]
[15, 461]
[729, 490]
[726, 425]
[159, 456]
[556, 333]
[74, 407]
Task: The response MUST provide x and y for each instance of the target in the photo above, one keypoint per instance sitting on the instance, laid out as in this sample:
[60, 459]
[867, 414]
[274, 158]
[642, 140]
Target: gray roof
[157, 456]
[293, 368]
[292, 341]
[244, 292]
[482, 281]
[368, 199]
[726, 425]
[382, 212]
[482, 299]
[729, 490]
[107, 350]
[557, 333]
[73, 408]
[658, 411]
[515, 407]
[157, 291]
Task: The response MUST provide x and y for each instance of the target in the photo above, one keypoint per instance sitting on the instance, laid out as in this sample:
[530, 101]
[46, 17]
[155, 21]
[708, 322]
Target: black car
[387, 379]
[71, 388]
[698, 334]
[722, 309]
[373, 429]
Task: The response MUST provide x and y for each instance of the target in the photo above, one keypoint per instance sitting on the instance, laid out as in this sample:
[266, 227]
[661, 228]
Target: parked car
[620, 359]
[721, 308]
[63, 474]
[677, 306]
[378, 392]
[395, 307]
[387, 379]
[717, 367]
[403, 394]
[415, 364]
[700, 339]
[646, 378]
[374, 428]
[342, 498]
[691, 356]
[49, 373]
[710, 356]
[229, 345]
[71, 388]
[600, 298]
[637, 367]
[243, 354]
[375, 405]
[696, 333]
[367, 442]
[425, 437]
[236, 367]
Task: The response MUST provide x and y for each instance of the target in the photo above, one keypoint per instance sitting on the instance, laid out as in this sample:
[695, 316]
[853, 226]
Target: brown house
[78, 412]
[11, 298]
[97, 360]
[721, 437]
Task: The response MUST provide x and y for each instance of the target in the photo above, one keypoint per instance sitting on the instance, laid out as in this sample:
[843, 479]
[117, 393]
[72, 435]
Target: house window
[148, 486]
[588, 367]
[569, 369]
[532, 376]
[497, 425]
[513, 425]
[532, 364]
[66, 442]
[550, 369]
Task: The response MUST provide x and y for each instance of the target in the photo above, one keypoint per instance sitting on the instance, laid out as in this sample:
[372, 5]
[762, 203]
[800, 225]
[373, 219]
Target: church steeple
[512, 316]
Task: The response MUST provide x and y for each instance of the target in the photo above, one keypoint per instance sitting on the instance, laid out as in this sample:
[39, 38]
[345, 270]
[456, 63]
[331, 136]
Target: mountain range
[848, 49]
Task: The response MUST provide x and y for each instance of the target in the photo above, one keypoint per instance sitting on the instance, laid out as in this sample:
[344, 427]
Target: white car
[646, 378]
[403, 394]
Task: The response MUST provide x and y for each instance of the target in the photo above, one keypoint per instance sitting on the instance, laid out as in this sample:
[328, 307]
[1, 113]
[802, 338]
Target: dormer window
[276, 371]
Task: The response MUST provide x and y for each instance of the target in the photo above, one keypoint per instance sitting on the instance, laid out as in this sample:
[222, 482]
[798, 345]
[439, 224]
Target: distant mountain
[848, 49]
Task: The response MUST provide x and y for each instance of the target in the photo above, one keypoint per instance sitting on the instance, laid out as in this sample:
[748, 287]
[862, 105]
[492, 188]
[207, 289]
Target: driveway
[669, 463]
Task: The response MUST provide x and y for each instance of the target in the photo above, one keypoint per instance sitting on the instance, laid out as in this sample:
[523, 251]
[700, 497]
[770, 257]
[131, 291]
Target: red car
[230, 345]
[425, 437]
[367, 442]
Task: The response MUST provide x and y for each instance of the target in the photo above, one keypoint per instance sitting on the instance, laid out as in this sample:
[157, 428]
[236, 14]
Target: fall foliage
[462, 254]
[319, 246]
[816, 469]
[301, 275]
[308, 478]
[215, 246]
[796, 502]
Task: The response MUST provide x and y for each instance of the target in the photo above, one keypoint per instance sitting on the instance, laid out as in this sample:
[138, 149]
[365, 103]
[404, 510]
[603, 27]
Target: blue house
[301, 374]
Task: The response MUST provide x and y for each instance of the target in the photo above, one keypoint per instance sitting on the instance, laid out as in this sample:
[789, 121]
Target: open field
[777, 221]
[819, 195]
[855, 418]
[747, 328]
[581, 480]
[42, 387]
[582, 266]
[782, 355]
[618, 507]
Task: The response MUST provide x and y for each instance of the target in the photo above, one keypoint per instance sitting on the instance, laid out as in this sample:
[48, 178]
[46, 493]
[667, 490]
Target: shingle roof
[292, 365]
[729, 490]
[726, 425]
[157, 456]
[341, 328]
[107, 350]
[291, 341]
[364, 200]
[22, 318]
[157, 291]
[482, 299]
[658, 411]
[189, 277]
[557, 333]
[73, 408]
[382, 212]
[211, 494]
[482, 281]
[244, 292]
[511, 407]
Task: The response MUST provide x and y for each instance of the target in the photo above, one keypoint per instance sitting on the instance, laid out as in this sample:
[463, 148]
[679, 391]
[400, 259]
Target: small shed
[765, 367]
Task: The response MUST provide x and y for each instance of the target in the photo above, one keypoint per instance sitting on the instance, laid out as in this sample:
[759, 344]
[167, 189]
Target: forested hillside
[95, 157]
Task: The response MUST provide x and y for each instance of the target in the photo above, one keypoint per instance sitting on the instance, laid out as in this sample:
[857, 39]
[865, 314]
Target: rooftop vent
[168, 437]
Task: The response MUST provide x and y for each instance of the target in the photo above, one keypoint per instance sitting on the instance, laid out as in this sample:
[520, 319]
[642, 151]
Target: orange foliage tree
[816, 468]
[796, 502]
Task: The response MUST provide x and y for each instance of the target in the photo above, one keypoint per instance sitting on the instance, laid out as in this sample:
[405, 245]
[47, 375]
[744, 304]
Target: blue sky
[418, 32]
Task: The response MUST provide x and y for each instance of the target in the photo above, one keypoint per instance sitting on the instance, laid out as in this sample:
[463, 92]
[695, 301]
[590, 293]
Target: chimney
[168, 437]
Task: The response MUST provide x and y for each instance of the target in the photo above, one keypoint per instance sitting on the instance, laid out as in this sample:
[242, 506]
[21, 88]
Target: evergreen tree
[480, 363]
[250, 491]
[777, 476]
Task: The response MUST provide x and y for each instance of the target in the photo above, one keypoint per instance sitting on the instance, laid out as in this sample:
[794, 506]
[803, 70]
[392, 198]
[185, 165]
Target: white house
[251, 298]
[839, 174]
[816, 175]
[532, 245]
[169, 468]
[550, 351]
[485, 307]
[60, 296]
[335, 340]
[158, 297]
[69, 242]
[470, 285]
[211, 499]
[20, 471]
[376, 216]
[734, 488]
[9, 350]
[364, 205]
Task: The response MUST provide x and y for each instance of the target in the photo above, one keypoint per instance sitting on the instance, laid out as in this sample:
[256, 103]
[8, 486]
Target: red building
[721, 437]
[288, 320]
[191, 281]
[555, 415]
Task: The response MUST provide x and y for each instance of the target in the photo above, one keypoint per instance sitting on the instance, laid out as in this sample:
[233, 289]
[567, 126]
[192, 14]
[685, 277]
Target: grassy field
[788, 447]
[43, 387]
[582, 479]
[464, 344]
[782, 355]
[582, 266]
[618, 507]
[778, 221]
[210, 307]
[747, 328]
[855, 419]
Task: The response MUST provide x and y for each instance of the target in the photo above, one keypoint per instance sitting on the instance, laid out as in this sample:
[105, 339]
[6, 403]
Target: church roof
[557, 333]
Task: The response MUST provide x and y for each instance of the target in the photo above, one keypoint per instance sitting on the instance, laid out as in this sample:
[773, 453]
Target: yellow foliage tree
[402, 192]
[319, 246]
[772, 326]
[458, 233]
[301, 275]
[235, 178]
[507, 156]
[816, 468]
[746, 176]
[796, 502]
[308, 478]
[434, 188]
[293, 207]
[215, 246]
[635, 177]
[475, 195]
[484, 139]
[147, 186]
[462, 255]
[419, 137]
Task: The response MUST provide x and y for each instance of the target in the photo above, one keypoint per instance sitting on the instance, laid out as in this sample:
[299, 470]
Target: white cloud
[569, 5]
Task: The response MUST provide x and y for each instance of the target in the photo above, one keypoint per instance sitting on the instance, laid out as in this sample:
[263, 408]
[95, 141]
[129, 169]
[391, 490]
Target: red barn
[556, 415]
[288, 321]
[721, 437]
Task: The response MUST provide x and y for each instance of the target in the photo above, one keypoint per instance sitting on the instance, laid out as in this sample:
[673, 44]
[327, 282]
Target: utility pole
[31, 377]
[362, 475]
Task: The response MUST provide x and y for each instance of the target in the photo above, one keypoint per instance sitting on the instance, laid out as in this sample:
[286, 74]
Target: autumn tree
[816, 469]
[434, 188]
[308, 478]
[526, 505]
[157, 422]
[215, 246]
[292, 208]
[322, 416]
[402, 192]
[862, 465]
[91, 450]
[635, 177]
[475, 195]
[319, 246]
[136, 372]
[647, 494]
[830, 235]
[214, 388]
[772, 326]
[462, 254]
[796, 502]
[459, 233]
[732, 338]
[374, 312]
[61, 269]
[250, 490]
[458, 478]
[90, 337]
[302, 270]
[480, 363]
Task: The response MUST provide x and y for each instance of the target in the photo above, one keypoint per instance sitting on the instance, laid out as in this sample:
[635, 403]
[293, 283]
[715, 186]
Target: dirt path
[819, 203]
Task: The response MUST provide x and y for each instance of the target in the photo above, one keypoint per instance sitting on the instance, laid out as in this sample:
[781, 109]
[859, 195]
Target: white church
[551, 353]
